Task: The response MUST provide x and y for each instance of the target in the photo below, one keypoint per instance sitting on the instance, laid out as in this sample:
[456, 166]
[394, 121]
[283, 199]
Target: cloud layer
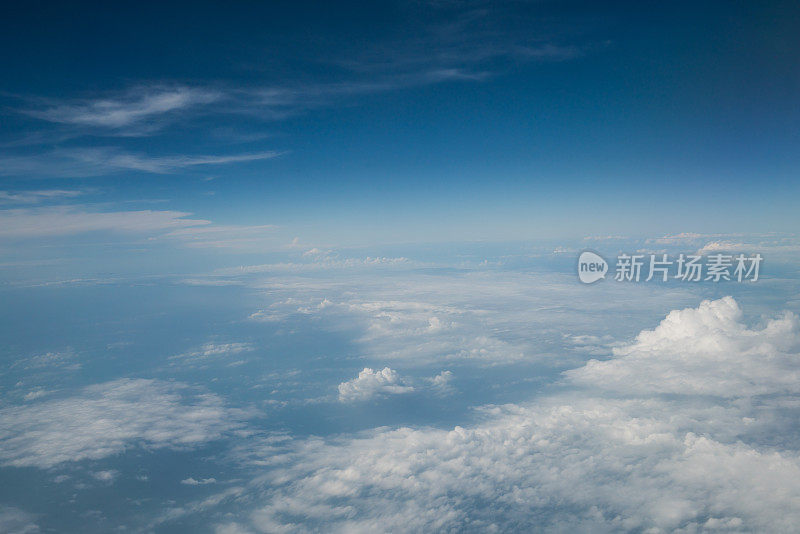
[107, 419]
[614, 455]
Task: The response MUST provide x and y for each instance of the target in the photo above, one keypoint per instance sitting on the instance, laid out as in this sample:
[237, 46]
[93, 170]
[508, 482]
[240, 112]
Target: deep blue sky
[411, 121]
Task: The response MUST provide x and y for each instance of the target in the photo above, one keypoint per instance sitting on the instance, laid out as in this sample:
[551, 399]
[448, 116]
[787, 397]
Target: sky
[410, 121]
[315, 267]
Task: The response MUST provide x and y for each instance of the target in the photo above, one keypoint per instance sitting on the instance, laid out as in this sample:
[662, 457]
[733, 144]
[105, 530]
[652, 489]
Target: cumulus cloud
[612, 455]
[370, 384]
[568, 465]
[442, 380]
[706, 350]
[106, 419]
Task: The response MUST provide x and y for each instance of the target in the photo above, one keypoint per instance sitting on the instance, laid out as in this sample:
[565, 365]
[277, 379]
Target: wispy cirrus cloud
[42, 195]
[69, 220]
[253, 238]
[141, 105]
[98, 161]
[153, 227]
[451, 42]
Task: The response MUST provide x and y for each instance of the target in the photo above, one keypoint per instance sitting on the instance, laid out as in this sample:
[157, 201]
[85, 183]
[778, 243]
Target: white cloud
[32, 197]
[406, 315]
[705, 350]
[582, 460]
[61, 220]
[167, 226]
[370, 384]
[442, 380]
[319, 262]
[229, 237]
[773, 246]
[136, 105]
[678, 239]
[108, 475]
[588, 464]
[198, 482]
[720, 246]
[16, 521]
[214, 350]
[35, 394]
[98, 161]
[64, 360]
[107, 419]
[210, 282]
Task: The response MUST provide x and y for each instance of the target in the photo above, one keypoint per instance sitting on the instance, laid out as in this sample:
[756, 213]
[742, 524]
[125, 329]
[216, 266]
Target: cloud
[586, 459]
[16, 521]
[99, 161]
[197, 507]
[565, 465]
[136, 105]
[318, 263]
[442, 380]
[35, 394]
[678, 239]
[257, 238]
[210, 282]
[158, 226]
[458, 42]
[370, 384]
[406, 314]
[213, 350]
[107, 476]
[410, 330]
[32, 197]
[195, 482]
[109, 418]
[68, 220]
[706, 351]
[720, 246]
[774, 246]
[64, 360]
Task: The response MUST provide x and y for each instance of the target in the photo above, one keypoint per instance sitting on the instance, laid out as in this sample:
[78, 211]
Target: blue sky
[408, 122]
[302, 267]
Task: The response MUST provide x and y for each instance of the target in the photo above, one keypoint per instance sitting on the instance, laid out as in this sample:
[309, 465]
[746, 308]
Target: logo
[663, 268]
[591, 267]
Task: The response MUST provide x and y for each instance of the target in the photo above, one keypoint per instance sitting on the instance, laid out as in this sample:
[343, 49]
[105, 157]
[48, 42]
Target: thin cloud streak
[62, 220]
[33, 197]
[135, 106]
[87, 162]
